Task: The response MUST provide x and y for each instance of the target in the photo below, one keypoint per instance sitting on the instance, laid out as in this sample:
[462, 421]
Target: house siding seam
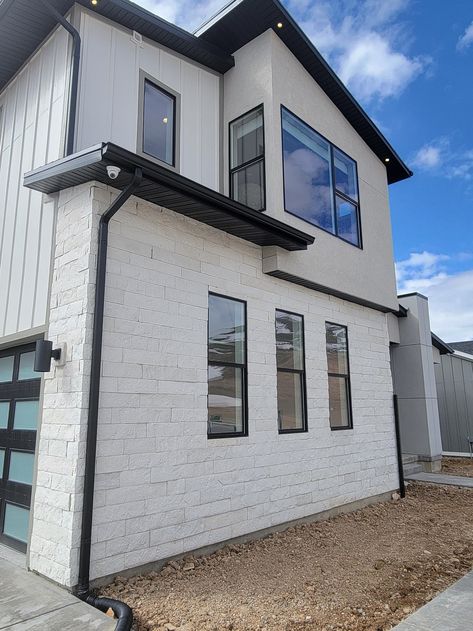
[163, 488]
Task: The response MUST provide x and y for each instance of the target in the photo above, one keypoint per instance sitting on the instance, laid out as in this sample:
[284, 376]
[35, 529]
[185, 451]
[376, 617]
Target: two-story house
[200, 224]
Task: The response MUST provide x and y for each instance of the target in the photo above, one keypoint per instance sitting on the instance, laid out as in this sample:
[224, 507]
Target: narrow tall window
[247, 159]
[227, 397]
[320, 181]
[292, 416]
[159, 123]
[338, 376]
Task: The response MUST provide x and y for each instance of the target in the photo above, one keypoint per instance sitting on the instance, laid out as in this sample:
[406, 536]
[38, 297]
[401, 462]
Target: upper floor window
[227, 396]
[338, 376]
[290, 361]
[159, 123]
[247, 178]
[320, 181]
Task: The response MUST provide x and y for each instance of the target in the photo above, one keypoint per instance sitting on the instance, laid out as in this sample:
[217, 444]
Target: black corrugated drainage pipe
[121, 610]
[76, 44]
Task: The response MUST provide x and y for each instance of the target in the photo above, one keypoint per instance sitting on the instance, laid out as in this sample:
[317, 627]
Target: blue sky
[410, 64]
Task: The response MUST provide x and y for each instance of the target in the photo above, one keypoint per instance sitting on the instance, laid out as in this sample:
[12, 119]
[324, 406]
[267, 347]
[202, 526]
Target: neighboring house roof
[463, 347]
[163, 187]
[440, 345]
[242, 20]
[24, 24]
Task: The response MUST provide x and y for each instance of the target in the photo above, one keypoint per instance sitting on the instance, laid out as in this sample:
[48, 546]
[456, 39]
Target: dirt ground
[365, 571]
[458, 466]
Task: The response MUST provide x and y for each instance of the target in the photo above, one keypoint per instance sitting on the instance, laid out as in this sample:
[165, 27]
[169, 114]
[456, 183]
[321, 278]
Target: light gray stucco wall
[267, 73]
[414, 383]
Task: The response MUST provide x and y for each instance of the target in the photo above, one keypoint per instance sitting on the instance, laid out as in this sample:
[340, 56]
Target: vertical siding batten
[35, 116]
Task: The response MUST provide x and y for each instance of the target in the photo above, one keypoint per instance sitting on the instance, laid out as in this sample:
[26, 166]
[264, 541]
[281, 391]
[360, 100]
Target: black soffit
[166, 188]
[241, 21]
[24, 24]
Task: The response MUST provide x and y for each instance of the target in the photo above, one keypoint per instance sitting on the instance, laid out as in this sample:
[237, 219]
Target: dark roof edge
[405, 172]
[440, 345]
[412, 293]
[223, 61]
[46, 178]
[303, 282]
[344, 89]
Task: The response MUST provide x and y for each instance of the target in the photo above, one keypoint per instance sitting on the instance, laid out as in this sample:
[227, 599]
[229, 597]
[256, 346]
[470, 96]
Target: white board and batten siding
[110, 100]
[33, 117]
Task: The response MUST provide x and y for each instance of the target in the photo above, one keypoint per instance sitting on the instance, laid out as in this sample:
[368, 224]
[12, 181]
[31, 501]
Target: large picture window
[290, 361]
[227, 395]
[338, 376]
[159, 123]
[247, 178]
[320, 181]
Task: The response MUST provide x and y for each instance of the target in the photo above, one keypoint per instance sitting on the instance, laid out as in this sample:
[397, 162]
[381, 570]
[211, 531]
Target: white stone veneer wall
[57, 499]
[163, 488]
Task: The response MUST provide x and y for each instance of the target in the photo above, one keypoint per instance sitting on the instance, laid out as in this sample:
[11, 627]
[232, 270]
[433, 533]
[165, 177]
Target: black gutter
[400, 468]
[76, 46]
[122, 611]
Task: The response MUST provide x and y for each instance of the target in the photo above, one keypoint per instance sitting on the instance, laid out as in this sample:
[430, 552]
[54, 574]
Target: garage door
[19, 395]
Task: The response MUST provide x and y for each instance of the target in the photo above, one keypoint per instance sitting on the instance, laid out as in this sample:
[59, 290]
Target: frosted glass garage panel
[26, 415]
[21, 467]
[26, 370]
[4, 411]
[6, 368]
[16, 522]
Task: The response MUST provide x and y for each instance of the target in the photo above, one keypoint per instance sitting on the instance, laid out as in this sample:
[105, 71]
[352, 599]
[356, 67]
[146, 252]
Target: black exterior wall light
[45, 352]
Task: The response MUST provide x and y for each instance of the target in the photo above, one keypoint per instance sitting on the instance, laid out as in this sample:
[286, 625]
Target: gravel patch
[364, 571]
[458, 466]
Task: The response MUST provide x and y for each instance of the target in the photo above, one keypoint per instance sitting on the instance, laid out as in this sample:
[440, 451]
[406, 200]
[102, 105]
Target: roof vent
[137, 38]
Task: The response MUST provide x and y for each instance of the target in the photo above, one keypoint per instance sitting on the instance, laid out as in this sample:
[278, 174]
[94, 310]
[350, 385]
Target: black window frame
[345, 376]
[244, 373]
[335, 192]
[175, 113]
[303, 373]
[244, 165]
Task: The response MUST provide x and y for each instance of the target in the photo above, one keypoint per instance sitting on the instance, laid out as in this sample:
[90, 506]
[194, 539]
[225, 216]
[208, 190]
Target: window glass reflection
[225, 401]
[6, 368]
[307, 173]
[158, 123]
[226, 330]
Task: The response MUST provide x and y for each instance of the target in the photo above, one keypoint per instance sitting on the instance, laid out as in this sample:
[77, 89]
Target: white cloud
[365, 41]
[189, 14]
[450, 293]
[428, 157]
[466, 39]
[439, 158]
[371, 68]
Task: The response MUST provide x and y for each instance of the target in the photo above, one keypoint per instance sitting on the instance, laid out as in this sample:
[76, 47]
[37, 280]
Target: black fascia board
[25, 24]
[441, 346]
[168, 189]
[248, 19]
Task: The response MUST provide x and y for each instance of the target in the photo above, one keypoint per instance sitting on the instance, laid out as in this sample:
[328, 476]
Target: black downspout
[76, 45]
[125, 617]
[402, 484]
[120, 609]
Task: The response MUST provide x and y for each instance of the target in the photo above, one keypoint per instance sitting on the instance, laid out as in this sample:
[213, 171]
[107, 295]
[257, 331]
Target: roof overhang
[440, 345]
[24, 24]
[241, 21]
[168, 189]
